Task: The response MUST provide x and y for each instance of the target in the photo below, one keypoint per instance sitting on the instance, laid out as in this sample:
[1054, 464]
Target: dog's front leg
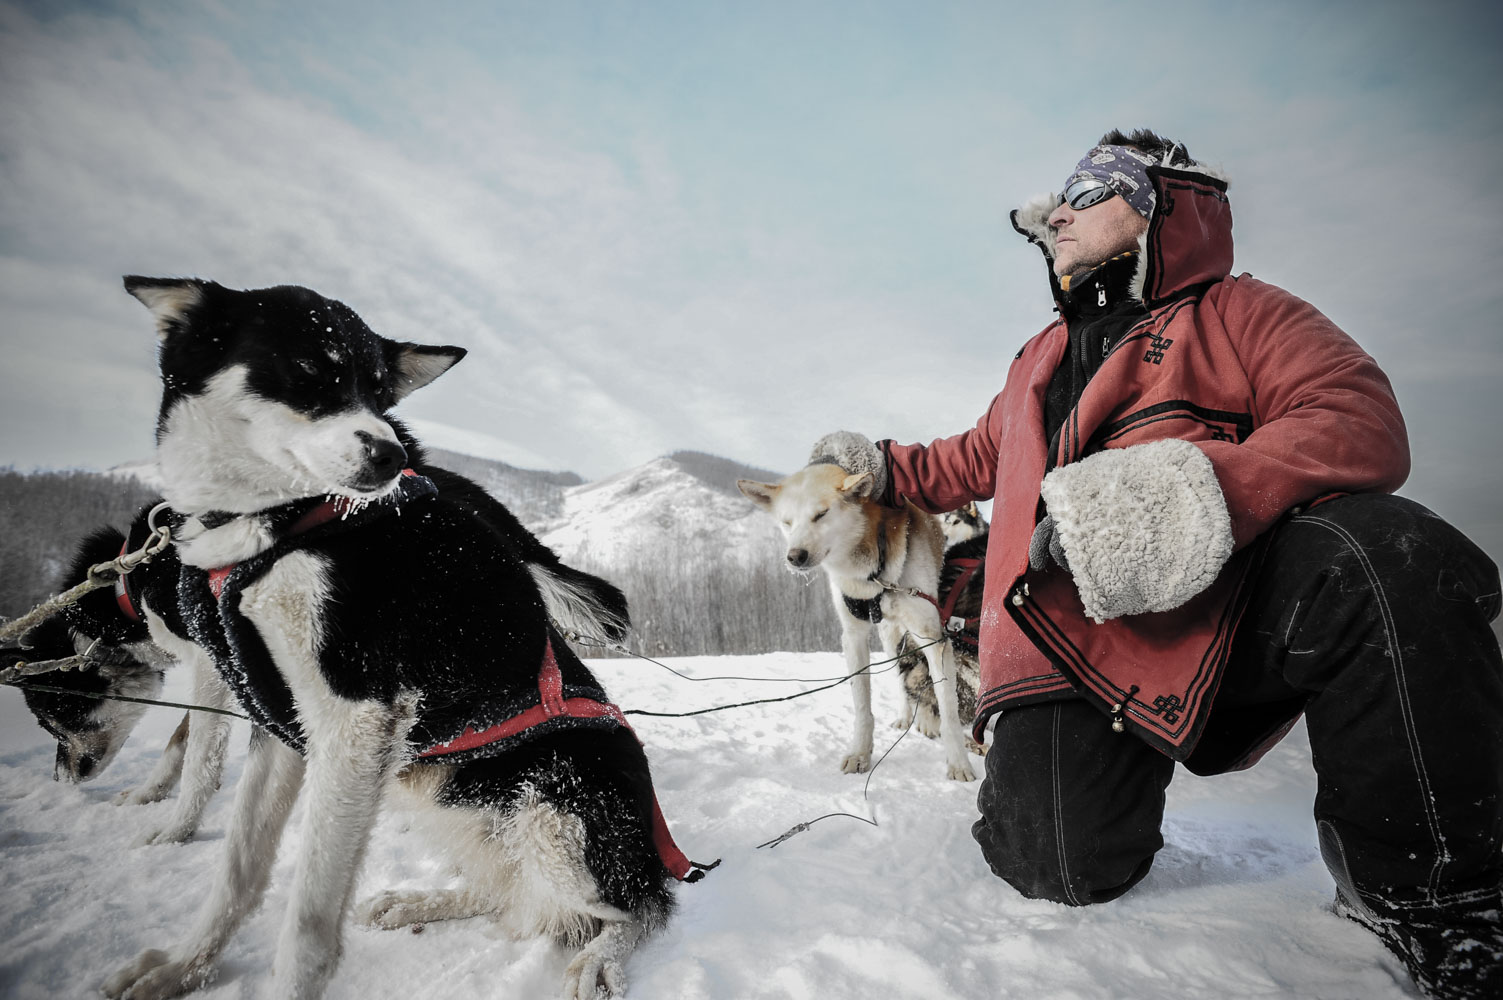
[353, 750]
[855, 643]
[203, 761]
[941, 660]
[262, 801]
[164, 775]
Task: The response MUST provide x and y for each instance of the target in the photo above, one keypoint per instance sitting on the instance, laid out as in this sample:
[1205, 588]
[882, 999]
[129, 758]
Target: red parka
[1286, 407]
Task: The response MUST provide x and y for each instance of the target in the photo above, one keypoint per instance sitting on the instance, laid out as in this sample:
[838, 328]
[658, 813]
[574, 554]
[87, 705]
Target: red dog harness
[552, 705]
[330, 510]
[551, 701]
[968, 567]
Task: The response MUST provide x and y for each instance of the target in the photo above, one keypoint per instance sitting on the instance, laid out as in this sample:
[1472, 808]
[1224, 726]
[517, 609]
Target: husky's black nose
[71, 768]
[83, 767]
[384, 458]
[798, 558]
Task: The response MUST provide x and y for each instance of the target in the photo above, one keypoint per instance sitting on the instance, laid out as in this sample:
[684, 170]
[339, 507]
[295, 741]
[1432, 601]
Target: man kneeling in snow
[1192, 544]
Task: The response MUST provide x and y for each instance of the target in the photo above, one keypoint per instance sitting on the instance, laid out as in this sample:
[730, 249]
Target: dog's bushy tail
[583, 603]
[575, 599]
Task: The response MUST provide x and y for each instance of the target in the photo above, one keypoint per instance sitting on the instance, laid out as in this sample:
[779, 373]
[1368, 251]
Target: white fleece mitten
[1144, 528]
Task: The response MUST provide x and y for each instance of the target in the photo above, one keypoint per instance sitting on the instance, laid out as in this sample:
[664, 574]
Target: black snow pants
[1370, 614]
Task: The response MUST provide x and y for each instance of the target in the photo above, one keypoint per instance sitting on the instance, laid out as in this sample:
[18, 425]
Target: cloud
[607, 321]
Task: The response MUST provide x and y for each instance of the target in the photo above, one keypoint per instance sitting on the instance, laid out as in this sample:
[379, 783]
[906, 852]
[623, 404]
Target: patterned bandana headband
[1121, 169]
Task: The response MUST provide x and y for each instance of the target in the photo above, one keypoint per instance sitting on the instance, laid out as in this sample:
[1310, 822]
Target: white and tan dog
[879, 562]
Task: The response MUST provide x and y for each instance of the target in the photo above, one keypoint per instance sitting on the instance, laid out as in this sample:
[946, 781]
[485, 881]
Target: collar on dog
[553, 705]
[332, 509]
[870, 608]
[124, 599]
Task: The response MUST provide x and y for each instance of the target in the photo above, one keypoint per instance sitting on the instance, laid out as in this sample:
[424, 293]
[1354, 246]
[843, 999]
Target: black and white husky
[963, 523]
[91, 729]
[383, 634]
[962, 579]
[130, 629]
[91, 711]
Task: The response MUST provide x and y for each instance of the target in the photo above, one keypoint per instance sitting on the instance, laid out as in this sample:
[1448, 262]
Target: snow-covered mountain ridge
[656, 506]
[685, 502]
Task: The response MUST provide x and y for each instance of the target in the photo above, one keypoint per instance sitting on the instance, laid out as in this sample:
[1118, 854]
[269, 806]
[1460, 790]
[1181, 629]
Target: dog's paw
[974, 747]
[959, 771]
[172, 834]
[144, 795]
[592, 975]
[155, 976]
[856, 763]
[927, 724]
[393, 909]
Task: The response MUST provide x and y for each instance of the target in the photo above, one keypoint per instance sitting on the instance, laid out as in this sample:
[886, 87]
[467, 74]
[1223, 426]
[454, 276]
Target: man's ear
[761, 494]
[416, 365]
[169, 299]
[859, 486]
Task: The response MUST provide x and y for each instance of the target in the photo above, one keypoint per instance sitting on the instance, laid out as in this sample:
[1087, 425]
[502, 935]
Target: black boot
[1453, 952]
[1377, 613]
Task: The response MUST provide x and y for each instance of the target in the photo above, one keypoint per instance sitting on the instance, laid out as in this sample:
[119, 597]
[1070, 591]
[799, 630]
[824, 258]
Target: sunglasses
[1085, 192]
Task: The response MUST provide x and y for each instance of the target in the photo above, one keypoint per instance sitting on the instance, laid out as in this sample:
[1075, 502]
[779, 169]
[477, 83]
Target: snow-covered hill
[684, 502]
[660, 506]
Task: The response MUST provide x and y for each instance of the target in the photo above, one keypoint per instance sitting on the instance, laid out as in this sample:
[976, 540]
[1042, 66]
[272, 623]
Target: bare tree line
[694, 598]
[43, 517]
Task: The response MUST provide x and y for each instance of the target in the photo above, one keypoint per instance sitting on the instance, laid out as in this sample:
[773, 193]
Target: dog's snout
[84, 766]
[384, 457]
[72, 763]
[798, 558]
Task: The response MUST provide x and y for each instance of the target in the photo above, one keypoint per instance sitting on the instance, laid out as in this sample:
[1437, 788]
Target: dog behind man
[961, 581]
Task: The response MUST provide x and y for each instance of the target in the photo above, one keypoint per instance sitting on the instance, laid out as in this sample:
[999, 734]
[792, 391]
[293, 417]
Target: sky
[727, 227]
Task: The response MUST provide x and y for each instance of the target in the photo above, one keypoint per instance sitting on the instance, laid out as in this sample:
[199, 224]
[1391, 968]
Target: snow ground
[1237, 905]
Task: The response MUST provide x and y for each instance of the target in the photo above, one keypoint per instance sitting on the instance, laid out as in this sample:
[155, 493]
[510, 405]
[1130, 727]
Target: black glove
[1045, 544]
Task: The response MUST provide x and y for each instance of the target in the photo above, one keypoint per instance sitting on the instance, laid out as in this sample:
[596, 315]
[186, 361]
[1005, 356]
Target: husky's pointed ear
[859, 486]
[416, 365]
[169, 299]
[761, 494]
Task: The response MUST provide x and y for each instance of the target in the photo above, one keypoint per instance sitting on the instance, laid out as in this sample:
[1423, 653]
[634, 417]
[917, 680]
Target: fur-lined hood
[1188, 240]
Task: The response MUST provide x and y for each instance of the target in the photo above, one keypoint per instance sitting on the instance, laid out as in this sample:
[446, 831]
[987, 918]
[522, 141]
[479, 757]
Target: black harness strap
[867, 609]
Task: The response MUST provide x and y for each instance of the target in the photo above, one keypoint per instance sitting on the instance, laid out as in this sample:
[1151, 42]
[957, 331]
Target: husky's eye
[821, 514]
